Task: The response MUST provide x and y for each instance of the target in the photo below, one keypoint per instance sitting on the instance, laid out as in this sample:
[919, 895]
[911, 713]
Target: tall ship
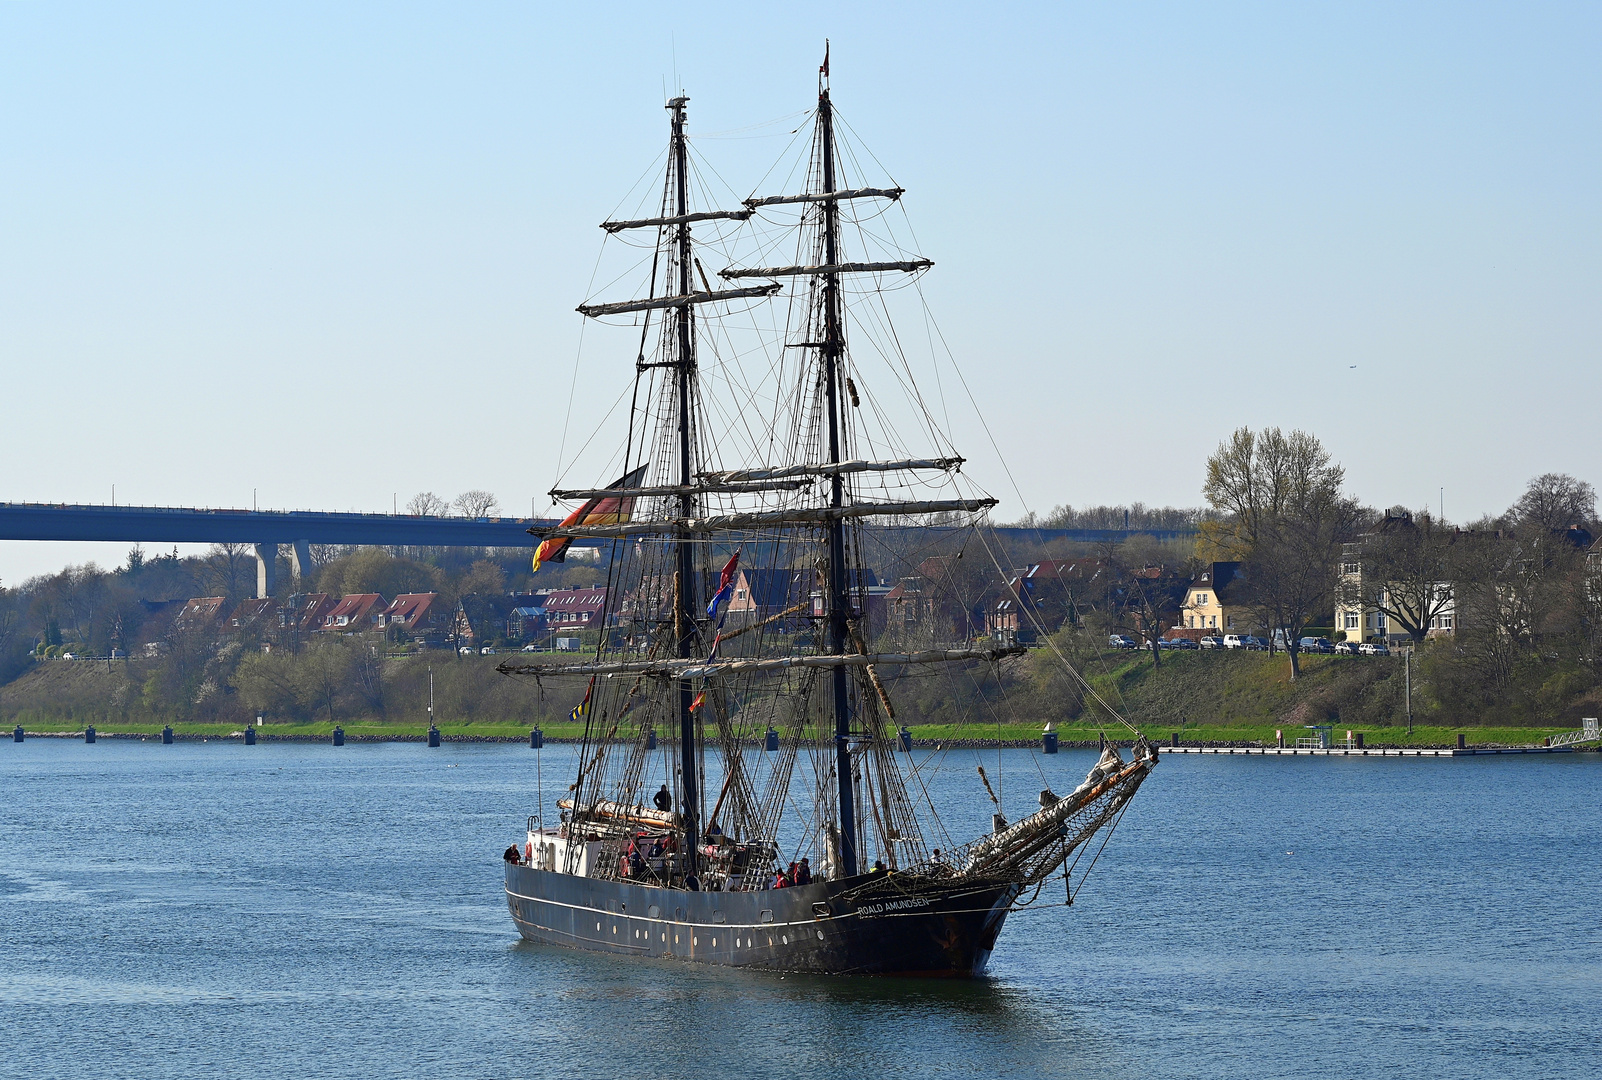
[743, 795]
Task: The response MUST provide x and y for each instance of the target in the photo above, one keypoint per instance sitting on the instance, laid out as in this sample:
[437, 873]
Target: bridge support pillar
[300, 558]
[266, 569]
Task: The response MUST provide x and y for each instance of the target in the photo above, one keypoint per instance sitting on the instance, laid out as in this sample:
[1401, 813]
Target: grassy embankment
[1205, 697]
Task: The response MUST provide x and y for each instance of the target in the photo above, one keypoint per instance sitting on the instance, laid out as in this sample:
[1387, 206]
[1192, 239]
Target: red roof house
[356, 612]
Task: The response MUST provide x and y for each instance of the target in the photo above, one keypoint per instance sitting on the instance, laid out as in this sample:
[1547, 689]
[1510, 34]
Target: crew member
[663, 800]
[511, 855]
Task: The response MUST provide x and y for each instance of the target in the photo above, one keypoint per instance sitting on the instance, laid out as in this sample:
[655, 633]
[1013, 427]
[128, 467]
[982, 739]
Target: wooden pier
[1322, 745]
[1366, 751]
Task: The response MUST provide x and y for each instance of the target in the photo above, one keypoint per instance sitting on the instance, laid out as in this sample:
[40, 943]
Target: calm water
[217, 910]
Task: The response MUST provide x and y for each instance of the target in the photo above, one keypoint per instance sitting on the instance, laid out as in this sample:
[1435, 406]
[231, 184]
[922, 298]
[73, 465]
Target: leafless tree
[1256, 479]
[1287, 521]
[228, 569]
[476, 504]
[1406, 570]
[427, 504]
[1554, 501]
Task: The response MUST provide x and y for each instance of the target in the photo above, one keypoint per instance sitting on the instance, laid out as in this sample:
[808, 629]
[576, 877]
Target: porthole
[695, 941]
[614, 928]
[714, 943]
[820, 935]
[785, 938]
[597, 928]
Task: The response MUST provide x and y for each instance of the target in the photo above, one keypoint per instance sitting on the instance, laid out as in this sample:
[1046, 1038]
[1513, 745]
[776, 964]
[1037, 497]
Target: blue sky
[329, 256]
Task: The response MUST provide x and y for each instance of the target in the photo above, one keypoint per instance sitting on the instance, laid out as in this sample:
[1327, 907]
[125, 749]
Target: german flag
[609, 511]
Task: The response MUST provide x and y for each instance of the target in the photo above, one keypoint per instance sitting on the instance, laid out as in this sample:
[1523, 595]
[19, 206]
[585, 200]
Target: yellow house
[1208, 605]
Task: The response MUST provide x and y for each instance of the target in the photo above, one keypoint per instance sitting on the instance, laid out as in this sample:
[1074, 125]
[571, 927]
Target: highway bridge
[266, 530]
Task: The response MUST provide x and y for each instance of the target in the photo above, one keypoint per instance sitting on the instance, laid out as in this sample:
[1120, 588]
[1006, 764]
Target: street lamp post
[1407, 680]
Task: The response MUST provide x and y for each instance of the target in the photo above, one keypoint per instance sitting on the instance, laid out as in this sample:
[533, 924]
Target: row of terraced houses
[422, 617]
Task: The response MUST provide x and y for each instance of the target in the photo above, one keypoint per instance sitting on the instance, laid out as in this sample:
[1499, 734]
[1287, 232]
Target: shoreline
[959, 743]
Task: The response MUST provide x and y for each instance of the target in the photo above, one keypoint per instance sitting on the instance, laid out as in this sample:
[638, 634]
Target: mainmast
[839, 585]
[684, 600]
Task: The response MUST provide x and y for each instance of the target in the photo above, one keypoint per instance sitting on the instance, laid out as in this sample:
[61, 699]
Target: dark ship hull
[867, 925]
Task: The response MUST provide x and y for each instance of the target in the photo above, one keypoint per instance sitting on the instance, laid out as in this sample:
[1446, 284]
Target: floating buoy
[339, 736]
[433, 735]
[166, 735]
[772, 740]
[650, 738]
[89, 734]
[536, 739]
[250, 736]
[16, 736]
[1048, 742]
[906, 739]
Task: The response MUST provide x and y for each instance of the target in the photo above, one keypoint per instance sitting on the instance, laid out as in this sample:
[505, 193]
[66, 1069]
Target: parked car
[1233, 641]
[488, 650]
[1315, 645]
[466, 650]
[531, 648]
[1121, 641]
[1371, 648]
[1253, 644]
[1211, 642]
[1346, 648]
[1184, 643]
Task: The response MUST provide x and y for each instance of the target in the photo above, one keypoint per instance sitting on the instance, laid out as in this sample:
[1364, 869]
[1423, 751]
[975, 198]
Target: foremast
[684, 577]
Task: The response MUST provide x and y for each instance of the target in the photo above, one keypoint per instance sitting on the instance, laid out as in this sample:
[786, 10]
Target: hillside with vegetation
[1523, 653]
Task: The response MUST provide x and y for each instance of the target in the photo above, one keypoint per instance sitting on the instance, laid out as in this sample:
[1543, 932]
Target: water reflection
[691, 1019]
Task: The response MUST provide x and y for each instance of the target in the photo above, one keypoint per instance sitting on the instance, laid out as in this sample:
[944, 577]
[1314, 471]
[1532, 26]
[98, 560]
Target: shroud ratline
[738, 620]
